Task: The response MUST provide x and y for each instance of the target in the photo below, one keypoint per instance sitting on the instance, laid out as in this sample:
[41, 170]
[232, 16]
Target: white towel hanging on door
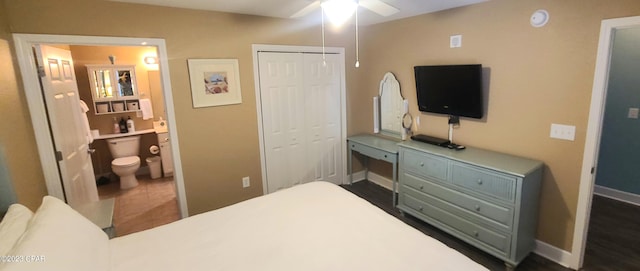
[85, 120]
[147, 110]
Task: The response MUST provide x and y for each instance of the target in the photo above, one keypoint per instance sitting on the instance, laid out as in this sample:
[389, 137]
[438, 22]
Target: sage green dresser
[485, 198]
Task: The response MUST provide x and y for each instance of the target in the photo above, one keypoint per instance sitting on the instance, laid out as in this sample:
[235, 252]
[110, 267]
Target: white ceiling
[286, 8]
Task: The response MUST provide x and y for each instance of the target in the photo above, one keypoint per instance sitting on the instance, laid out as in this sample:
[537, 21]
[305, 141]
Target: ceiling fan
[377, 6]
[339, 11]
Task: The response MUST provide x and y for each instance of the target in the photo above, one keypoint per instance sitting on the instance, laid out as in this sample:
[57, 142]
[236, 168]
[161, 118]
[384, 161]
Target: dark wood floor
[613, 241]
[604, 234]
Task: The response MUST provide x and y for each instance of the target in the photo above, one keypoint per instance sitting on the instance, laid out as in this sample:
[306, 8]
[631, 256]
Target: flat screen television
[454, 90]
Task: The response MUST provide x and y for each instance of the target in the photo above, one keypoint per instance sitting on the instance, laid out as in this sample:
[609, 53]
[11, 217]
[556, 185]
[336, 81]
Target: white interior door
[322, 91]
[60, 92]
[300, 103]
[281, 85]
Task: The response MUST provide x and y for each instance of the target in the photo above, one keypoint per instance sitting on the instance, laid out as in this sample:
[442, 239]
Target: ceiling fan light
[339, 11]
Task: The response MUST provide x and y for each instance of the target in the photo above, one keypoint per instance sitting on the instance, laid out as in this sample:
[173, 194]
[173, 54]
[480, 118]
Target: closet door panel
[282, 97]
[322, 83]
[300, 100]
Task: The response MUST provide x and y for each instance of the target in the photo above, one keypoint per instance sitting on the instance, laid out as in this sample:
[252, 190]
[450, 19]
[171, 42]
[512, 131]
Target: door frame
[35, 101]
[594, 132]
[255, 49]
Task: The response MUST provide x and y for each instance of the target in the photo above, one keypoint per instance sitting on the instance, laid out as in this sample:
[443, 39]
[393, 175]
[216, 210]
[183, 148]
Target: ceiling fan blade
[306, 10]
[379, 7]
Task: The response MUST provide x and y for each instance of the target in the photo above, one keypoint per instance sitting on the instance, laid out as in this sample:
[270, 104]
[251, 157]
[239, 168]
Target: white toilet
[126, 161]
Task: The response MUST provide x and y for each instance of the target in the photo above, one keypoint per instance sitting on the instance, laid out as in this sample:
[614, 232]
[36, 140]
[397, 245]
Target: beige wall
[219, 145]
[16, 134]
[538, 76]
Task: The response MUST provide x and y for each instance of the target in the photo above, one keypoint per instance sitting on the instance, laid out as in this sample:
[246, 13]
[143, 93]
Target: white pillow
[59, 238]
[13, 226]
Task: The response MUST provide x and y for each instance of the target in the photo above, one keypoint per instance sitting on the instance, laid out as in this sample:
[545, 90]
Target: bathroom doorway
[594, 141]
[152, 202]
[169, 186]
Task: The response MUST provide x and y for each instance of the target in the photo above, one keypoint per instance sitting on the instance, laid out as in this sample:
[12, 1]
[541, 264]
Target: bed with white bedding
[315, 226]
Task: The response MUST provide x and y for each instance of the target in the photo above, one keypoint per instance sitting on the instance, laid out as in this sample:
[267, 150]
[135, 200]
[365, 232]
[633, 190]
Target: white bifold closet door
[301, 118]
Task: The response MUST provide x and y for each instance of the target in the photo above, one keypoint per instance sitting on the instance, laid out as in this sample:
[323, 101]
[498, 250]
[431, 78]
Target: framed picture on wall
[214, 82]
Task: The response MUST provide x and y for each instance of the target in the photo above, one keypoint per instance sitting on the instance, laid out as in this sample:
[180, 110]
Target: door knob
[90, 150]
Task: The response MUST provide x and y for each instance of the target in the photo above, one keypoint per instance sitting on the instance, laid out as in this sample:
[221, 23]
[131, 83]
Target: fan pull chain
[324, 60]
[357, 44]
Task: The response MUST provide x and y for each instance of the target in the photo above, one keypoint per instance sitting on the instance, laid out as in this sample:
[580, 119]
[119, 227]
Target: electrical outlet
[566, 132]
[246, 182]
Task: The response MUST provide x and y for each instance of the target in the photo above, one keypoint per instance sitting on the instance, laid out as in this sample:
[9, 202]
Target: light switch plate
[560, 131]
[455, 41]
[633, 113]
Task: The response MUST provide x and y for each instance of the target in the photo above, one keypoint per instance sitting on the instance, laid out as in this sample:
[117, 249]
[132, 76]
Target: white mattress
[315, 226]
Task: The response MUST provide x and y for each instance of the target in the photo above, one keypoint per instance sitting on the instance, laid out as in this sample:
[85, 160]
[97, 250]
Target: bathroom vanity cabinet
[113, 88]
[165, 154]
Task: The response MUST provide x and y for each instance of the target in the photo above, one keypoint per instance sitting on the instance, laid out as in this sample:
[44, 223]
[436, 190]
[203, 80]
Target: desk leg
[349, 169]
[395, 181]
[366, 167]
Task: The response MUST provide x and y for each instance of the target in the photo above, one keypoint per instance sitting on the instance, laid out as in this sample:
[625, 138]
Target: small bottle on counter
[116, 126]
[130, 125]
[123, 126]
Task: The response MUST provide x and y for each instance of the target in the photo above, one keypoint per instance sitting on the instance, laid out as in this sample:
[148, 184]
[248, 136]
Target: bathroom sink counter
[107, 136]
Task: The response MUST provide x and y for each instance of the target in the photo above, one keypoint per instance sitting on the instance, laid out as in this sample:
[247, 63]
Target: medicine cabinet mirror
[113, 88]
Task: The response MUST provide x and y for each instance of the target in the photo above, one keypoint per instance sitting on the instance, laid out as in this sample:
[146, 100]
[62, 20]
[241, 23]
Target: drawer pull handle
[353, 146]
[421, 164]
[476, 234]
[421, 187]
[385, 156]
[480, 181]
[478, 208]
[420, 208]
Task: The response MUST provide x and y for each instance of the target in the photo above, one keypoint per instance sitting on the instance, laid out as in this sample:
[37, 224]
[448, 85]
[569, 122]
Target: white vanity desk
[107, 136]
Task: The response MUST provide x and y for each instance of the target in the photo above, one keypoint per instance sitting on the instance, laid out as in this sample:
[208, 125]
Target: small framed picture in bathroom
[214, 82]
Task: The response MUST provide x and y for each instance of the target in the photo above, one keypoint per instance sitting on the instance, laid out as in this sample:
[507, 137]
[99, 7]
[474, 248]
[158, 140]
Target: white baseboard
[554, 254]
[380, 180]
[543, 249]
[357, 176]
[617, 195]
[374, 178]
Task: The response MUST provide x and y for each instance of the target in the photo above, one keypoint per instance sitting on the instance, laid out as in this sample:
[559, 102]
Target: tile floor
[150, 204]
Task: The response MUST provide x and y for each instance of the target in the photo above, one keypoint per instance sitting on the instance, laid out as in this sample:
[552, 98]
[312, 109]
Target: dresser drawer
[472, 232]
[425, 164]
[496, 215]
[485, 181]
[372, 152]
